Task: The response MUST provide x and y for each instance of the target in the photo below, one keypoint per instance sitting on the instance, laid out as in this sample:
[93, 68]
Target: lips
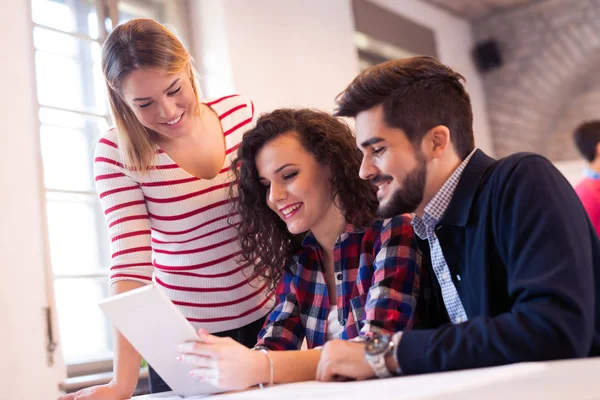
[290, 210]
[381, 186]
[174, 122]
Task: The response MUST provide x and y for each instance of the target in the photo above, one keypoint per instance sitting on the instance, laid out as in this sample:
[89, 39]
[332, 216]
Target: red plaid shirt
[377, 284]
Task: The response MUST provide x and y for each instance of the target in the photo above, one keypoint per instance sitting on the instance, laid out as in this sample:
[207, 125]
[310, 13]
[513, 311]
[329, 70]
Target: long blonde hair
[140, 43]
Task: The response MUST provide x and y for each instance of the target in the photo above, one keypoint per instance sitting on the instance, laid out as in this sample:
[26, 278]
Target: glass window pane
[172, 13]
[67, 143]
[77, 233]
[66, 45]
[73, 120]
[75, 16]
[85, 334]
[66, 82]
[130, 9]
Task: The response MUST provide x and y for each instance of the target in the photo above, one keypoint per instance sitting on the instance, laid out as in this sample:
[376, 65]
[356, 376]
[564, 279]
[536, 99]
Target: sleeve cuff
[412, 351]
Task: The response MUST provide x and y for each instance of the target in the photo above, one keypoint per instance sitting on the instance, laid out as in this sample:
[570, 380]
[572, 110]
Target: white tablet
[155, 327]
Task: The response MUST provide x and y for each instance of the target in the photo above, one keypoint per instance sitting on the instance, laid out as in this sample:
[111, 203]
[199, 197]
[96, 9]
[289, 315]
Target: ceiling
[476, 9]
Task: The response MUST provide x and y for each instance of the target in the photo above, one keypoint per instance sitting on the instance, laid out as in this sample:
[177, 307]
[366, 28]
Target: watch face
[377, 345]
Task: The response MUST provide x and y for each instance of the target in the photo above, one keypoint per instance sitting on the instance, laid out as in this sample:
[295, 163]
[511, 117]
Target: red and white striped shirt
[168, 227]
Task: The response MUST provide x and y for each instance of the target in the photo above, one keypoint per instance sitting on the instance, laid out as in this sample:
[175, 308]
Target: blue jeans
[246, 335]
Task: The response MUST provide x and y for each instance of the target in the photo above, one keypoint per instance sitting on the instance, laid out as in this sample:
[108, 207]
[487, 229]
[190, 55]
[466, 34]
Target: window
[73, 113]
[372, 51]
[382, 35]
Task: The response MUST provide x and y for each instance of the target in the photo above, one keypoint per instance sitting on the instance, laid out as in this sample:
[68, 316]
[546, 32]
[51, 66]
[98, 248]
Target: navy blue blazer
[525, 260]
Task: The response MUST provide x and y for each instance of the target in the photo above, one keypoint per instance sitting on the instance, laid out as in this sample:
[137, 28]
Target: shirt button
[458, 278]
[445, 276]
[460, 320]
[339, 277]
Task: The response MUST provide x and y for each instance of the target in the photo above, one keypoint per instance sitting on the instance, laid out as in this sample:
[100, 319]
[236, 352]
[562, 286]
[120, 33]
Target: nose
[276, 193]
[367, 169]
[168, 109]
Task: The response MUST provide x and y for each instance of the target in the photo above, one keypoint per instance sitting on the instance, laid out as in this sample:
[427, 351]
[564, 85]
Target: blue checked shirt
[425, 229]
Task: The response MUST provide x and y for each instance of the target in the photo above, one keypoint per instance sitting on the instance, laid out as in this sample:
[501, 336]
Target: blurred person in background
[587, 140]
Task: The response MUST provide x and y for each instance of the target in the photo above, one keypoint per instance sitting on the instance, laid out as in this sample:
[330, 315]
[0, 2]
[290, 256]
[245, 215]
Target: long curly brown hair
[264, 237]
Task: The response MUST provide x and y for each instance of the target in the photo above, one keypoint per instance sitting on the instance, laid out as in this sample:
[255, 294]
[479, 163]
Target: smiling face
[298, 186]
[391, 163]
[164, 103]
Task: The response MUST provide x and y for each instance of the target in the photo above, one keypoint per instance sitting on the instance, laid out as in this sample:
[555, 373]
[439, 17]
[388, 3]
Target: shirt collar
[591, 174]
[310, 241]
[439, 203]
[419, 226]
[435, 209]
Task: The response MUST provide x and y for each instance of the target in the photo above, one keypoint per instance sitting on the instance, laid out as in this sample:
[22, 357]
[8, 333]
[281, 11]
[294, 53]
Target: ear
[597, 151]
[438, 140]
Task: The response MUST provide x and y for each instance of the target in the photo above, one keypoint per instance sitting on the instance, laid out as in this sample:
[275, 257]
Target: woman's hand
[109, 391]
[223, 362]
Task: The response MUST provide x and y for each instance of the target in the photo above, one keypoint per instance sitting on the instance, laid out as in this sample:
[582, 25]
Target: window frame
[105, 10]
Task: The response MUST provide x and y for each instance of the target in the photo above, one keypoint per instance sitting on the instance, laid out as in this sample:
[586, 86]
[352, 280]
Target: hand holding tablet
[155, 327]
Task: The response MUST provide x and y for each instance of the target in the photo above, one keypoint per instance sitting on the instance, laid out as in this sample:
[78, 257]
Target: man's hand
[342, 360]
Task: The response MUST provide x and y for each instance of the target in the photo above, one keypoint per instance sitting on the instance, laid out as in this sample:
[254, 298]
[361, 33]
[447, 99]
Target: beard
[409, 197]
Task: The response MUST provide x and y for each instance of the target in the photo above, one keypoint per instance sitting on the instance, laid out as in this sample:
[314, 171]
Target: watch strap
[396, 339]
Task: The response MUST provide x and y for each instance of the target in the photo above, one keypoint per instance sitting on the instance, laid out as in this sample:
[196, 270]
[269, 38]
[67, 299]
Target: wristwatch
[377, 348]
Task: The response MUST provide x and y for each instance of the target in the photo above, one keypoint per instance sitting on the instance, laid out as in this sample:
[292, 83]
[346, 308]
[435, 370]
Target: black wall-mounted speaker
[487, 55]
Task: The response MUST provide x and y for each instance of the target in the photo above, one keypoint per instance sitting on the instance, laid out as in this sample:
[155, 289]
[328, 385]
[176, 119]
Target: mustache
[380, 178]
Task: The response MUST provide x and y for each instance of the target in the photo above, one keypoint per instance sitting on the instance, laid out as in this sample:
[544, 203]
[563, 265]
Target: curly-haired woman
[309, 227]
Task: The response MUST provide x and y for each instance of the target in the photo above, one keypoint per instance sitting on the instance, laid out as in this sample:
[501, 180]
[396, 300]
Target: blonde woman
[162, 177]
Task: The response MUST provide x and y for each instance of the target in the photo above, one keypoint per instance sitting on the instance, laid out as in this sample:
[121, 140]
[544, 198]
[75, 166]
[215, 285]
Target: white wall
[278, 52]
[455, 42]
[572, 170]
[23, 370]
[302, 53]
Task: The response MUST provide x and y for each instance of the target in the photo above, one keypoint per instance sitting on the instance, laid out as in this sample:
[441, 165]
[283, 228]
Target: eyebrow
[166, 90]
[260, 178]
[371, 142]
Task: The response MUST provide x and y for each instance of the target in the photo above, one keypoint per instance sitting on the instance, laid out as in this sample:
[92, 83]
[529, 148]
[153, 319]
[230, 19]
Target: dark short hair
[264, 237]
[587, 136]
[417, 94]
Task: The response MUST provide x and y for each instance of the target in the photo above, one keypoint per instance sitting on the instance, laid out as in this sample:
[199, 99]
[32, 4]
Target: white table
[560, 380]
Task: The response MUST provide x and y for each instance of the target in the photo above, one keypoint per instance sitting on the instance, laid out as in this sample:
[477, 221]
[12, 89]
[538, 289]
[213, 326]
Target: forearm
[483, 341]
[288, 366]
[127, 360]
[392, 296]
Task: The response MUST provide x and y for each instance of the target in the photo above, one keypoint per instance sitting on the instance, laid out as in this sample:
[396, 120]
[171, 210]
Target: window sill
[74, 384]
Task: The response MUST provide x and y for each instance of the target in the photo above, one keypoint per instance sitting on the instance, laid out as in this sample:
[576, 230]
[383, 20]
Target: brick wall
[550, 80]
